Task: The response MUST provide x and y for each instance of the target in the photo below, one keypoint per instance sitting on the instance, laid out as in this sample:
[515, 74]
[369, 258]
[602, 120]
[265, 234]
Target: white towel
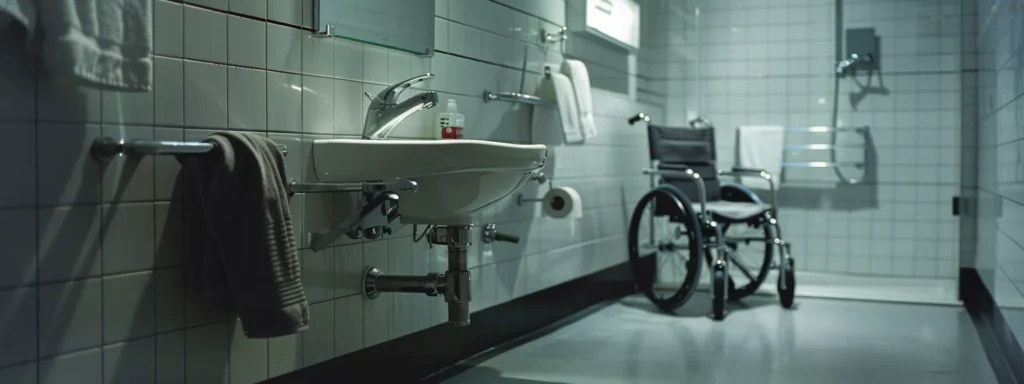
[558, 87]
[577, 72]
[760, 147]
[99, 43]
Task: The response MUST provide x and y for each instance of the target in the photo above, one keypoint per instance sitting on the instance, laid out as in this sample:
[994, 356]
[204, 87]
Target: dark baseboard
[421, 354]
[1001, 346]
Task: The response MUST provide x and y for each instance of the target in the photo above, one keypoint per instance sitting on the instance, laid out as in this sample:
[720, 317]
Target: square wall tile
[127, 107]
[348, 320]
[19, 153]
[168, 28]
[170, 358]
[247, 42]
[168, 91]
[67, 172]
[399, 66]
[128, 238]
[285, 354]
[284, 48]
[247, 99]
[206, 95]
[375, 64]
[317, 105]
[128, 178]
[69, 243]
[168, 234]
[18, 325]
[215, 4]
[128, 306]
[131, 362]
[85, 367]
[317, 55]
[61, 101]
[206, 37]
[318, 340]
[348, 59]
[19, 374]
[317, 274]
[70, 316]
[169, 296]
[284, 92]
[255, 8]
[208, 352]
[348, 270]
[17, 73]
[249, 357]
[18, 235]
[348, 108]
[285, 11]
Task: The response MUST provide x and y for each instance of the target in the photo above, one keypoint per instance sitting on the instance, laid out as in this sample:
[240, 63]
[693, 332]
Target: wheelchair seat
[679, 149]
[733, 211]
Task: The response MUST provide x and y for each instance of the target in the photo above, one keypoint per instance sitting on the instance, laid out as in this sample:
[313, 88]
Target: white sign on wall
[617, 19]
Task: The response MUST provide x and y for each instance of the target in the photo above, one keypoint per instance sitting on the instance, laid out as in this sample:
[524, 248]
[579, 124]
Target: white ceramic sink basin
[455, 177]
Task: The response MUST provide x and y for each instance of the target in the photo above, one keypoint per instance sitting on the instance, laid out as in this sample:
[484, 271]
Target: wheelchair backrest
[681, 148]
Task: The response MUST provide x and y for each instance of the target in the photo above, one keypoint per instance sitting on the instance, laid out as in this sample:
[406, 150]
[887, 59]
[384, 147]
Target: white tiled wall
[756, 62]
[1000, 231]
[98, 282]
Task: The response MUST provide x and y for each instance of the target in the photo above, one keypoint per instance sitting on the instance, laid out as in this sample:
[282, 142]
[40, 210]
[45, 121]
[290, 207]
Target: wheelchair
[730, 228]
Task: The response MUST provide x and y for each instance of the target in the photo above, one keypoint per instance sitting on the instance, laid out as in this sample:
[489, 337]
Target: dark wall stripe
[418, 355]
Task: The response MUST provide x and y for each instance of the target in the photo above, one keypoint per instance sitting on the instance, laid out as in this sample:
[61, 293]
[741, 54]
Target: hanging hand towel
[761, 147]
[558, 87]
[251, 259]
[577, 72]
[98, 43]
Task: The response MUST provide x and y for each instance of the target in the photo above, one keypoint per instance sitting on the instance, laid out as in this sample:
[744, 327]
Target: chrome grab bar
[105, 148]
[516, 97]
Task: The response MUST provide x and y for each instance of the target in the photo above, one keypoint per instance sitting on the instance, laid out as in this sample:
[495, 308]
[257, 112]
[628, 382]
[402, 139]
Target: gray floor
[821, 341]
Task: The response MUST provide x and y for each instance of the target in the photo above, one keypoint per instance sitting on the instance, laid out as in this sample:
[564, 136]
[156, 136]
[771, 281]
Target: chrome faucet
[845, 64]
[385, 112]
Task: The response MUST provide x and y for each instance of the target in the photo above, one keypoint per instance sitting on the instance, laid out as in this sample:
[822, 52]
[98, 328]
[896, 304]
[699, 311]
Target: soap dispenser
[450, 123]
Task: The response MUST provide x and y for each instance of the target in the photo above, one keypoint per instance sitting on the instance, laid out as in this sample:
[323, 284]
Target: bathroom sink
[455, 177]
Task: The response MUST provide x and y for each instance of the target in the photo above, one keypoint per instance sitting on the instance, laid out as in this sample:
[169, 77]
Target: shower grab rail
[105, 148]
[517, 97]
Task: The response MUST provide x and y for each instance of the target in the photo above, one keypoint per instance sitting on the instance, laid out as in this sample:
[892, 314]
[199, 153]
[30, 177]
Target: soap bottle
[450, 122]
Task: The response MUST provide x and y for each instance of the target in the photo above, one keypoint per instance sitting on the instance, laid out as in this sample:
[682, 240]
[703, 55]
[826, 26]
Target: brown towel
[250, 258]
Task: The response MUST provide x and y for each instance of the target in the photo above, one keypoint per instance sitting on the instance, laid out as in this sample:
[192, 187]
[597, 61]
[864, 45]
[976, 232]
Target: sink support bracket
[379, 212]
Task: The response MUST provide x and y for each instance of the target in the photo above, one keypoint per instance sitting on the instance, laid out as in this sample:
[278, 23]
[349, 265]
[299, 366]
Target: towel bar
[515, 97]
[397, 185]
[106, 148]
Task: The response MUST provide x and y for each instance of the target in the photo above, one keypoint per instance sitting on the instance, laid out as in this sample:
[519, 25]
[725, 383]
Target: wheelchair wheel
[787, 275]
[719, 284]
[665, 244]
[750, 254]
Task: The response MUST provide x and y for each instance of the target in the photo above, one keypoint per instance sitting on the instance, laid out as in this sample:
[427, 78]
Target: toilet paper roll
[562, 202]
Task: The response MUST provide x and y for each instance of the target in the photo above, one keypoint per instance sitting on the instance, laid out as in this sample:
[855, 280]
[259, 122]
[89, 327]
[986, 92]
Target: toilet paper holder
[520, 200]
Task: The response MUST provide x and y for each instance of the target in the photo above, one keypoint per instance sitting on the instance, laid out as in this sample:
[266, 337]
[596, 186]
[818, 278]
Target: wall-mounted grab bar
[822, 164]
[822, 147]
[105, 148]
[554, 37]
[825, 129]
[397, 185]
[515, 97]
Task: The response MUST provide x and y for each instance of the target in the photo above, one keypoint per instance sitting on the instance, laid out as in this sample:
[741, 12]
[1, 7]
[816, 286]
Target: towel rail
[824, 129]
[396, 185]
[106, 148]
[516, 97]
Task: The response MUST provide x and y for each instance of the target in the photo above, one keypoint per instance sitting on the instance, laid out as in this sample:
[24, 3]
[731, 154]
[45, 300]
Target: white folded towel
[577, 72]
[100, 43]
[558, 87]
[760, 147]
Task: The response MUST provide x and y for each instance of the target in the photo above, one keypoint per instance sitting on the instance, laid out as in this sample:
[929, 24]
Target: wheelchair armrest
[687, 172]
[762, 173]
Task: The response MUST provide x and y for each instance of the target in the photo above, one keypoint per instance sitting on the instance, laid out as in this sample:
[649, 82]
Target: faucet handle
[390, 94]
